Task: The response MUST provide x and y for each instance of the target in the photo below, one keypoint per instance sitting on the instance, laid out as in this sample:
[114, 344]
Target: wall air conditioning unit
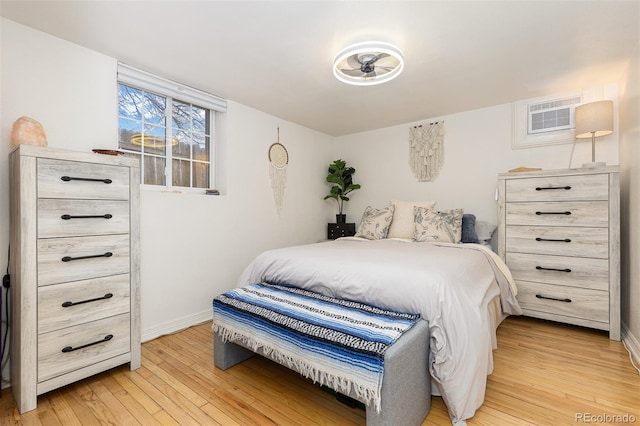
[552, 115]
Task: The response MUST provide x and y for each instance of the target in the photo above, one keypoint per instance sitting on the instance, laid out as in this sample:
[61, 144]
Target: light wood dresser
[559, 234]
[74, 268]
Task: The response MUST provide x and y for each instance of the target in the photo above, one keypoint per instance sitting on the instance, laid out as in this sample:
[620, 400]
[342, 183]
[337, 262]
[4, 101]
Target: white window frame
[171, 90]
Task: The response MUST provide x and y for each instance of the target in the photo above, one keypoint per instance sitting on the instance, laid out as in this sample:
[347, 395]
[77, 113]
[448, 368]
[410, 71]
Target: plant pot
[341, 218]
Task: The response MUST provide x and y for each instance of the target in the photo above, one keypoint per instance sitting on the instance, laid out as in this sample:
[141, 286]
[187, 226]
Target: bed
[464, 291]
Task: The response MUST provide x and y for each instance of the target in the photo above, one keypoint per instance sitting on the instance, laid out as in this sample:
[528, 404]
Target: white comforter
[450, 285]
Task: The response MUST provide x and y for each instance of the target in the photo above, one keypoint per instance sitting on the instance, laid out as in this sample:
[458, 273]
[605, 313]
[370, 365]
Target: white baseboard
[176, 325]
[631, 342]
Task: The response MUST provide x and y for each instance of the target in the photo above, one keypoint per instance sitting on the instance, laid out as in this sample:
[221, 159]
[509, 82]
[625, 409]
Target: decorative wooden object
[559, 233]
[74, 268]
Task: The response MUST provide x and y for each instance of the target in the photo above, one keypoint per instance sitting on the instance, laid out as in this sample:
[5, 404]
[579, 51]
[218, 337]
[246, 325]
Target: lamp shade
[594, 119]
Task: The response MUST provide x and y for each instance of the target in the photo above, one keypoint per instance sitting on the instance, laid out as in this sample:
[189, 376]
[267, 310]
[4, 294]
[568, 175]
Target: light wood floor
[544, 374]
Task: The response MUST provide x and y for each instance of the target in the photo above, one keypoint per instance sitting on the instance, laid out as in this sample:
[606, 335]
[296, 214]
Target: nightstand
[337, 230]
[559, 234]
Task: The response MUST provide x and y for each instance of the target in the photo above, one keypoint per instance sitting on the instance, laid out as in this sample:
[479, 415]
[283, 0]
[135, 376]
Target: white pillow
[484, 230]
[375, 223]
[402, 224]
[443, 227]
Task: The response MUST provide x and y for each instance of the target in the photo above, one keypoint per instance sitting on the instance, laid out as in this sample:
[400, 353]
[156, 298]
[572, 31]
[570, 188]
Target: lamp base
[593, 165]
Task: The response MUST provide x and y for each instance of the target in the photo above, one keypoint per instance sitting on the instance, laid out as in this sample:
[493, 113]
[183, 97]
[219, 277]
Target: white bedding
[453, 286]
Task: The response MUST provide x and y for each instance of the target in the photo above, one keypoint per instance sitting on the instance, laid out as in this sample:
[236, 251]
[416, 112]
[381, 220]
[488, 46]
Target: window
[172, 137]
[169, 127]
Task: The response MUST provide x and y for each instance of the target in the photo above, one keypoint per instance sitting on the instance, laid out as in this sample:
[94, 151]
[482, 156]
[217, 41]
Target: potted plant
[341, 179]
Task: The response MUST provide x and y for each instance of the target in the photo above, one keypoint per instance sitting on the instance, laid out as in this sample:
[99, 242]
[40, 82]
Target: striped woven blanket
[334, 342]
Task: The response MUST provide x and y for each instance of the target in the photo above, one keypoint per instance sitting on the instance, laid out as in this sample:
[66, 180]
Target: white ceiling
[276, 56]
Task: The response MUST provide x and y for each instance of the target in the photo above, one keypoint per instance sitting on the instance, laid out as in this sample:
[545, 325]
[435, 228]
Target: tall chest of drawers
[75, 293]
[559, 234]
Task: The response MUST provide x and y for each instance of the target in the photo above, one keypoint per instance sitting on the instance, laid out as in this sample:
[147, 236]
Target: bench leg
[406, 387]
[227, 354]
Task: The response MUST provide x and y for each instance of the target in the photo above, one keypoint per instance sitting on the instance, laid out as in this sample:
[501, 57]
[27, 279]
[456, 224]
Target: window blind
[147, 81]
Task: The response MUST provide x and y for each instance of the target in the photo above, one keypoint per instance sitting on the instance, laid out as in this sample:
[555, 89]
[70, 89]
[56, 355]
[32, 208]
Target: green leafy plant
[341, 179]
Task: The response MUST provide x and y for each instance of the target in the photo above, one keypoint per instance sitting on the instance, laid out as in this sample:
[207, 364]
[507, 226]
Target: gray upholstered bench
[406, 384]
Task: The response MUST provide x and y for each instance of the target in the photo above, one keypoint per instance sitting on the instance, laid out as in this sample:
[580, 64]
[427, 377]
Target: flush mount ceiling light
[368, 63]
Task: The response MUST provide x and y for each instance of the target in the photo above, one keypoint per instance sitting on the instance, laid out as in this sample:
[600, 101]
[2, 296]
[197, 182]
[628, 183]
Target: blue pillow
[469, 229]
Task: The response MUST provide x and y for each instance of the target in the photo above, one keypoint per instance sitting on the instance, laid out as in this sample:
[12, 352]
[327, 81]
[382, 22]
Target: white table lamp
[593, 120]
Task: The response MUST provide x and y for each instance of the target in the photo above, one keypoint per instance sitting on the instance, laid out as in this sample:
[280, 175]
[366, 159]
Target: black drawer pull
[553, 187]
[68, 304]
[539, 296]
[564, 240]
[99, 216]
[69, 178]
[565, 213]
[69, 258]
[540, 268]
[71, 348]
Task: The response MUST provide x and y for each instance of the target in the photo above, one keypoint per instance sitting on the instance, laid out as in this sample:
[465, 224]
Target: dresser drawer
[87, 180]
[559, 188]
[71, 348]
[572, 302]
[70, 218]
[90, 257]
[560, 270]
[69, 304]
[592, 214]
[558, 241]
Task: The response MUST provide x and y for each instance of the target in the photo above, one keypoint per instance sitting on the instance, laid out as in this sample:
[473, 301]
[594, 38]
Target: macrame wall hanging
[278, 158]
[426, 150]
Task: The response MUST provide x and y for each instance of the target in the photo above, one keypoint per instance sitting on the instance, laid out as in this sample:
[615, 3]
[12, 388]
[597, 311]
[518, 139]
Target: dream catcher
[278, 158]
[426, 150]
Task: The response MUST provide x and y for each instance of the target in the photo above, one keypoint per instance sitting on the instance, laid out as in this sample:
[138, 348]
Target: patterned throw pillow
[431, 225]
[403, 221]
[375, 223]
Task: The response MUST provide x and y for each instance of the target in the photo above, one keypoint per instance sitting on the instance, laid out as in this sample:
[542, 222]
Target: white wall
[194, 246]
[630, 201]
[477, 147]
